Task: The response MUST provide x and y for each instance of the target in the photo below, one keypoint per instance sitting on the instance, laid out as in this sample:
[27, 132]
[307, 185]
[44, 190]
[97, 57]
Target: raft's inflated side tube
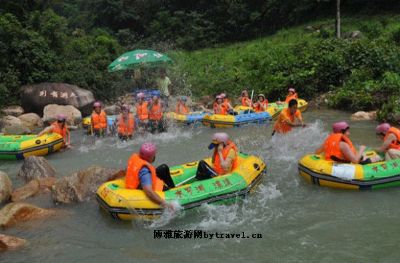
[229, 121]
[17, 147]
[87, 121]
[315, 169]
[191, 118]
[127, 204]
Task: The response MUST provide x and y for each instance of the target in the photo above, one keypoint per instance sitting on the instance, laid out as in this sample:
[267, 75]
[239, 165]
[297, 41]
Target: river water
[298, 222]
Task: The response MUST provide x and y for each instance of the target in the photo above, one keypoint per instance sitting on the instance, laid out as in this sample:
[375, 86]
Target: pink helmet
[148, 151]
[292, 90]
[61, 117]
[340, 126]
[140, 95]
[223, 95]
[125, 107]
[221, 137]
[383, 128]
[96, 104]
[218, 97]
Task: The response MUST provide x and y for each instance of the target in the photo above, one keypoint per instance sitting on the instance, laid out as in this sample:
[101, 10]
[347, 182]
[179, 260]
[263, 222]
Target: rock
[5, 187]
[355, 34]
[112, 110]
[13, 111]
[10, 242]
[13, 126]
[31, 120]
[35, 97]
[46, 183]
[364, 116]
[82, 185]
[35, 167]
[28, 190]
[14, 213]
[50, 112]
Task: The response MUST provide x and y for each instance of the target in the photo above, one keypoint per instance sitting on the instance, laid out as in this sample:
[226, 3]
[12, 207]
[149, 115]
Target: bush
[372, 29]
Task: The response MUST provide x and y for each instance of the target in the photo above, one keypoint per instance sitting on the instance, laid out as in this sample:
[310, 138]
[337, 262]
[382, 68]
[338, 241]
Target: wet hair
[292, 102]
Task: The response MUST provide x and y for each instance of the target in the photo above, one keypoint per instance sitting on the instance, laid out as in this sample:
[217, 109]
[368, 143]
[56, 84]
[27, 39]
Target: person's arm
[386, 143]
[68, 143]
[46, 130]
[146, 184]
[226, 164]
[349, 155]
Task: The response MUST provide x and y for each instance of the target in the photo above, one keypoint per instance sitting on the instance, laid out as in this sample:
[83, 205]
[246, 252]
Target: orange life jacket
[142, 111]
[394, 144]
[126, 128]
[261, 106]
[220, 109]
[181, 109]
[99, 121]
[58, 129]
[217, 162]
[226, 103]
[291, 97]
[280, 125]
[332, 147]
[246, 102]
[155, 112]
[135, 164]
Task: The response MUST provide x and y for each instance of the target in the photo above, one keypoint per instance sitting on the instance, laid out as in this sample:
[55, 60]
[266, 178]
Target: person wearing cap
[262, 103]
[142, 111]
[181, 107]
[288, 118]
[60, 127]
[391, 141]
[155, 115]
[125, 123]
[245, 100]
[227, 103]
[141, 174]
[219, 107]
[98, 120]
[224, 159]
[291, 95]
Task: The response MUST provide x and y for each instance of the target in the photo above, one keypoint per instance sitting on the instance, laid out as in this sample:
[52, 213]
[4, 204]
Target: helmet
[218, 97]
[148, 151]
[140, 95]
[96, 104]
[125, 107]
[292, 90]
[261, 95]
[221, 137]
[183, 98]
[155, 97]
[340, 126]
[383, 128]
[243, 92]
[223, 95]
[61, 117]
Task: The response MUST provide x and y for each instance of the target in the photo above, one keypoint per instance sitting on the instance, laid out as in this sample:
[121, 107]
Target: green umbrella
[137, 58]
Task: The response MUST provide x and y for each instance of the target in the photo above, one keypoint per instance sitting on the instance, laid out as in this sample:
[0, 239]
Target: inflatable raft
[229, 121]
[191, 118]
[127, 204]
[18, 147]
[315, 169]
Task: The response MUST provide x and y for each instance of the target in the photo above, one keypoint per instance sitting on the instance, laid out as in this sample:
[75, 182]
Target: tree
[337, 25]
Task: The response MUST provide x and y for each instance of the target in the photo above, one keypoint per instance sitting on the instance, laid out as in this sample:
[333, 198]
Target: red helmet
[340, 126]
[148, 151]
[383, 128]
[96, 104]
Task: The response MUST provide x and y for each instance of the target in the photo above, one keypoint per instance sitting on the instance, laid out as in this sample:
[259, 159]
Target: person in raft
[245, 100]
[227, 103]
[224, 159]
[219, 106]
[291, 95]
[391, 141]
[141, 174]
[126, 124]
[288, 118]
[181, 107]
[60, 127]
[98, 120]
[142, 111]
[339, 148]
[156, 115]
[262, 103]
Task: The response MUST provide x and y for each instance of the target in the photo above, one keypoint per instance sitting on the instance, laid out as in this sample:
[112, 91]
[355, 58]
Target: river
[298, 222]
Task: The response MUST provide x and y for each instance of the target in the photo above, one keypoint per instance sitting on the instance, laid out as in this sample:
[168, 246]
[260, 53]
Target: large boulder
[10, 242]
[32, 188]
[364, 116]
[50, 112]
[14, 213]
[13, 110]
[82, 185]
[5, 187]
[14, 126]
[31, 120]
[35, 167]
[35, 97]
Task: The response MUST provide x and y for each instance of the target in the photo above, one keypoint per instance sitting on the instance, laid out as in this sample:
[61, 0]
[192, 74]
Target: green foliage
[372, 29]
[396, 36]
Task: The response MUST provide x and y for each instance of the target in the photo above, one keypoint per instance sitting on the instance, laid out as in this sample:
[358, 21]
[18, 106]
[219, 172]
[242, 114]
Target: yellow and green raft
[128, 204]
[315, 169]
[17, 147]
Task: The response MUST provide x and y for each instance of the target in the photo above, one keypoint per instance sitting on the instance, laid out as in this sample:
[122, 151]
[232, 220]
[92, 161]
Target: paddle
[251, 100]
